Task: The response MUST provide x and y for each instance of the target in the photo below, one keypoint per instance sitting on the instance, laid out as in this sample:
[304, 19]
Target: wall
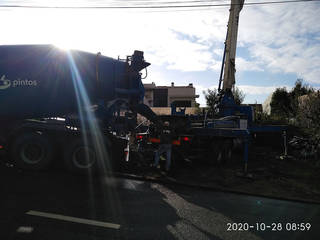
[167, 110]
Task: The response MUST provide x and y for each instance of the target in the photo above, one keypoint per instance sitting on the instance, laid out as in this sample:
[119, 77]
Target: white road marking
[24, 229]
[74, 219]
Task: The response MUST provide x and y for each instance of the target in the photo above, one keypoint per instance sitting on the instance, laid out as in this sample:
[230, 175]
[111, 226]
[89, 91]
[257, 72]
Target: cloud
[258, 90]
[119, 33]
[279, 38]
[158, 78]
[284, 39]
[218, 51]
[183, 55]
[245, 65]
[199, 91]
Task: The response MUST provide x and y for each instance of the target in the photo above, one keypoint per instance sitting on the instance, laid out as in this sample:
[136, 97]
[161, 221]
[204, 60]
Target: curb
[208, 188]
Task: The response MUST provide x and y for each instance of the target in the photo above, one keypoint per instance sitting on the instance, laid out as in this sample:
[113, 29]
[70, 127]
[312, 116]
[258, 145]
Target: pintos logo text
[7, 83]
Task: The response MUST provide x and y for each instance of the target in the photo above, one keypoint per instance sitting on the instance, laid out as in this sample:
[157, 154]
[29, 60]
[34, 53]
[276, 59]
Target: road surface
[57, 205]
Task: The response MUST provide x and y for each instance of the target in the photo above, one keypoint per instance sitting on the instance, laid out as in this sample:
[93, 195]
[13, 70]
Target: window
[160, 97]
[184, 103]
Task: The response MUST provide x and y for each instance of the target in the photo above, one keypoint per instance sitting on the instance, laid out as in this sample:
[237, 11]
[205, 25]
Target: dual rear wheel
[81, 157]
[32, 151]
[36, 151]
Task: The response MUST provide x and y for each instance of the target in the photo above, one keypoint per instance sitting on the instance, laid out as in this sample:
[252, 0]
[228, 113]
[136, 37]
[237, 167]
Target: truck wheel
[80, 157]
[32, 151]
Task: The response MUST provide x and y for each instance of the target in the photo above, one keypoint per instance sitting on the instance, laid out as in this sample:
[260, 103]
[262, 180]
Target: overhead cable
[152, 7]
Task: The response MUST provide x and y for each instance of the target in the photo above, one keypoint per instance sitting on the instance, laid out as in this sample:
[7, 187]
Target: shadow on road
[142, 211]
[237, 208]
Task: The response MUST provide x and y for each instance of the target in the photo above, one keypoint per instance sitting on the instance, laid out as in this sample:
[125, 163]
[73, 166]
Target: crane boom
[226, 103]
[231, 44]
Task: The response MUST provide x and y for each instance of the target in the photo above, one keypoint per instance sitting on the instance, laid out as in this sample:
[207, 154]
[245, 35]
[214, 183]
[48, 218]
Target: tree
[309, 120]
[280, 103]
[284, 104]
[309, 112]
[212, 97]
[238, 95]
[300, 89]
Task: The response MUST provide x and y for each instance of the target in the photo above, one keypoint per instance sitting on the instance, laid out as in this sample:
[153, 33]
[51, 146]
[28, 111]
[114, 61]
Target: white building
[164, 96]
[266, 104]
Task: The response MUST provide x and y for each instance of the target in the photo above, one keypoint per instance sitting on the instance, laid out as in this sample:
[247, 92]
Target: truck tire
[81, 158]
[32, 151]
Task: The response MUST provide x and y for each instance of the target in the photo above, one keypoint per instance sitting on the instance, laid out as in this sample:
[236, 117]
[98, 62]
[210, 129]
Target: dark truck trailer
[42, 80]
[70, 102]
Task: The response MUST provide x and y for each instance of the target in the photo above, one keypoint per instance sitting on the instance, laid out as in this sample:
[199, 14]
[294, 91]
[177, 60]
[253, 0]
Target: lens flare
[93, 135]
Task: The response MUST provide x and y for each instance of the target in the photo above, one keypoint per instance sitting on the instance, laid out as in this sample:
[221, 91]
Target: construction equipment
[231, 46]
[234, 121]
[226, 104]
[70, 102]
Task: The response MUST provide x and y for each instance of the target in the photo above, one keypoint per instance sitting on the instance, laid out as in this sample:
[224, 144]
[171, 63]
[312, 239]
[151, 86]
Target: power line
[173, 2]
[152, 7]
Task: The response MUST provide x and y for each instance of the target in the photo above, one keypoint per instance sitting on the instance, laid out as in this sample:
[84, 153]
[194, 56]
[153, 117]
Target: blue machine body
[44, 81]
[181, 112]
[228, 107]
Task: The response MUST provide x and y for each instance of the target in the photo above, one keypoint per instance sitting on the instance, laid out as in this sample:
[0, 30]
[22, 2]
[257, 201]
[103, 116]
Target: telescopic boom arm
[231, 45]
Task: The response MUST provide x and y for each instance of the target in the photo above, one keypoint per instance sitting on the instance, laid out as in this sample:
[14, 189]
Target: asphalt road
[57, 205]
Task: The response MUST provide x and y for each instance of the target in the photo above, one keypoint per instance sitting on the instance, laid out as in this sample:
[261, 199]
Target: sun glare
[65, 29]
[63, 44]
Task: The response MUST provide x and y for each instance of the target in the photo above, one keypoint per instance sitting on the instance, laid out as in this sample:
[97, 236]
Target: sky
[277, 43]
